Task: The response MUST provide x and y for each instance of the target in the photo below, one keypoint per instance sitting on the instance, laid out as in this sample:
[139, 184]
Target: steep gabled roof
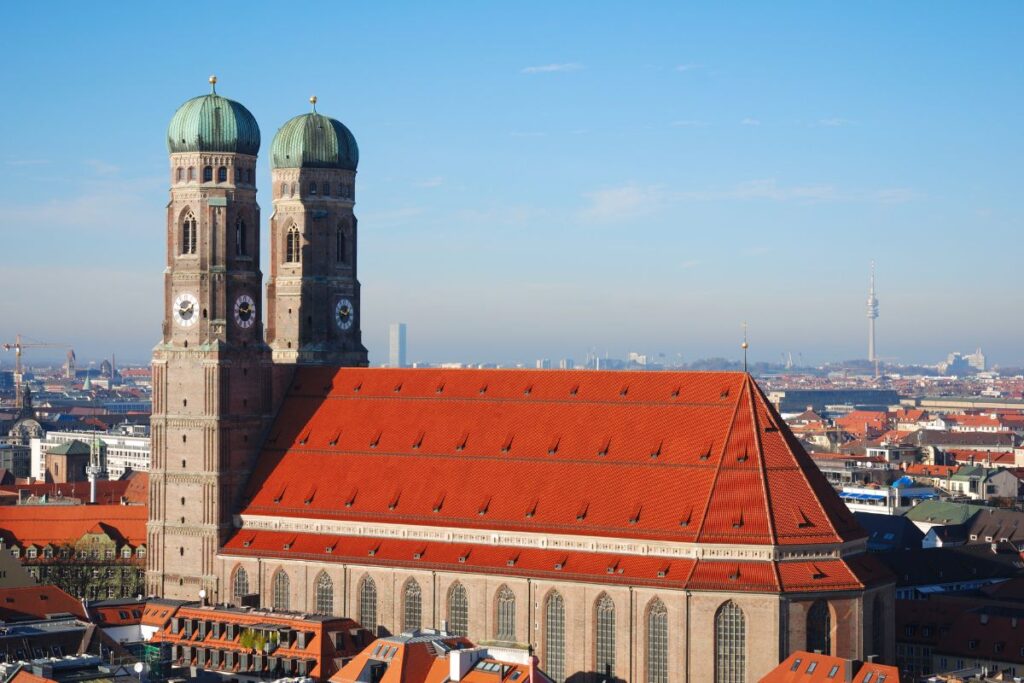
[695, 456]
[40, 525]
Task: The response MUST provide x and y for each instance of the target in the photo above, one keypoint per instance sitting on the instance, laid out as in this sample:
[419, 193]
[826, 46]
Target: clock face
[245, 311]
[186, 309]
[344, 314]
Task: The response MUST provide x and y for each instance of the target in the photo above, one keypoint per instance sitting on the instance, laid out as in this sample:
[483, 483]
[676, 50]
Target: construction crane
[18, 347]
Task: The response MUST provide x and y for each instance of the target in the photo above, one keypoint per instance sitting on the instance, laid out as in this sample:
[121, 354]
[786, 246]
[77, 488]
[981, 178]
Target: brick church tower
[313, 293]
[211, 389]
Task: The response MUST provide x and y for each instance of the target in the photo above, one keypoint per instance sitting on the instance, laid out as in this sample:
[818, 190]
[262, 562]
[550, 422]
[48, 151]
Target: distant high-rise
[396, 341]
[872, 316]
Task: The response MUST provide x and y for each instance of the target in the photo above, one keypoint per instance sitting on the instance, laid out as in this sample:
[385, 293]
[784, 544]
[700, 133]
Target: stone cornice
[568, 542]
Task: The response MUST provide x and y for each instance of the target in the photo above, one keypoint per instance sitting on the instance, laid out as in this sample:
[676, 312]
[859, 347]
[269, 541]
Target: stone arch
[819, 625]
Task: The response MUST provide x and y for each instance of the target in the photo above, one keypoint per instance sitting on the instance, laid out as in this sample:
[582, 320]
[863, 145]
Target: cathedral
[637, 526]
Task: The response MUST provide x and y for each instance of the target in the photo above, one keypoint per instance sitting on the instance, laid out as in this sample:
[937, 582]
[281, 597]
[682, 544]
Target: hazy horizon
[538, 181]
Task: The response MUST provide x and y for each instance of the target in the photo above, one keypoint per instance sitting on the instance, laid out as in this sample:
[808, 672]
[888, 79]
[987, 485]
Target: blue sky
[542, 179]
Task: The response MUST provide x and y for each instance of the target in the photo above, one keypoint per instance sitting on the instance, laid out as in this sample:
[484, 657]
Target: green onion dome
[314, 141]
[211, 123]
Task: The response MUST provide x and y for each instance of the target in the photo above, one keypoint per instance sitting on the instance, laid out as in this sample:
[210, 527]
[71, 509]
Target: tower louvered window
[458, 610]
[340, 247]
[241, 586]
[605, 636]
[189, 234]
[506, 600]
[324, 594]
[292, 246]
[819, 628]
[368, 603]
[657, 643]
[282, 590]
[207, 174]
[240, 238]
[730, 644]
[554, 637]
[412, 617]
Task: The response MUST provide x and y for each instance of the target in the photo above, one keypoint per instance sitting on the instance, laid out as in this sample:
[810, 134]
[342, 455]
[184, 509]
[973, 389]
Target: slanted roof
[939, 512]
[40, 525]
[73, 447]
[679, 456]
[812, 667]
[37, 602]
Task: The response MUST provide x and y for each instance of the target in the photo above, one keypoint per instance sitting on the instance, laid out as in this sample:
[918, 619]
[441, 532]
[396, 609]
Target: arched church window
[506, 609]
[189, 233]
[240, 238]
[730, 644]
[412, 616]
[554, 637]
[191, 173]
[819, 628]
[339, 252]
[281, 586]
[207, 174]
[241, 583]
[605, 636]
[458, 610]
[292, 250]
[222, 174]
[657, 642]
[368, 603]
[324, 594]
[180, 175]
[878, 630]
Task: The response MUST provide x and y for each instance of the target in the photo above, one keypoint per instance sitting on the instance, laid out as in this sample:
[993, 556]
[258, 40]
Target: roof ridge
[718, 470]
[762, 469]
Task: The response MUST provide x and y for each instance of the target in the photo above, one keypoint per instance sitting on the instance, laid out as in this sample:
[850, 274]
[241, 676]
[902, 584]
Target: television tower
[872, 316]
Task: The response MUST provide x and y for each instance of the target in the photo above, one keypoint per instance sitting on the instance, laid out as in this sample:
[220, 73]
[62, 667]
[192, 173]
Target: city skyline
[740, 186]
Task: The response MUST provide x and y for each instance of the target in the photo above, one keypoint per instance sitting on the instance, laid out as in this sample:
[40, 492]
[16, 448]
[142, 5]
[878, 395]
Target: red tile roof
[813, 667]
[57, 524]
[596, 567]
[36, 602]
[109, 492]
[698, 456]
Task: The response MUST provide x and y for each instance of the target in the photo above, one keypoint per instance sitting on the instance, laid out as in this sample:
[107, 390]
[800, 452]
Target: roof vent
[738, 521]
[464, 557]
[532, 511]
[511, 562]
[439, 504]
[817, 574]
[394, 501]
[553, 448]
[559, 566]
[735, 576]
[574, 390]
[440, 388]
[662, 573]
[483, 390]
[461, 446]
[623, 391]
[419, 440]
[582, 514]
[744, 457]
[373, 551]
[418, 555]
[802, 521]
[484, 508]
[376, 440]
[329, 549]
[657, 451]
[676, 391]
[305, 437]
[604, 449]
[528, 390]
[398, 387]
[724, 394]
[613, 567]
[507, 446]
[636, 515]
[334, 439]
[357, 387]
[351, 498]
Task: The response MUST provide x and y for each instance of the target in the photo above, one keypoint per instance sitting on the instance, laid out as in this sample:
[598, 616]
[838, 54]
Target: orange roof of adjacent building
[812, 667]
[37, 602]
[695, 456]
[40, 525]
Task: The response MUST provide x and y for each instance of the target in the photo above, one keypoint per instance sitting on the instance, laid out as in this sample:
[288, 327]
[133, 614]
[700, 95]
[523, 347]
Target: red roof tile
[36, 602]
[696, 456]
[40, 525]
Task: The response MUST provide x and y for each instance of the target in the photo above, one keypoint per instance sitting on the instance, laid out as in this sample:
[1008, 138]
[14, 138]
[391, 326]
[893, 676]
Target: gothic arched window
[282, 590]
[241, 582]
[240, 238]
[207, 173]
[506, 609]
[819, 628]
[604, 627]
[293, 248]
[189, 234]
[554, 637]
[368, 603]
[878, 627]
[458, 610]
[412, 617]
[339, 253]
[730, 644]
[222, 174]
[657, 642]
[324, 594]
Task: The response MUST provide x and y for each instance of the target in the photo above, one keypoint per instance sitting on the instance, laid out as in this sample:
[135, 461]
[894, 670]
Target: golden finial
[213, 84]
[312, 100]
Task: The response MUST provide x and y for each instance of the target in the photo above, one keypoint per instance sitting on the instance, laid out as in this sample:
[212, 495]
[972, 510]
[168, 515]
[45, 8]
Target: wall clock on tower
[344, 314]
[186, 309]
[245, 311]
